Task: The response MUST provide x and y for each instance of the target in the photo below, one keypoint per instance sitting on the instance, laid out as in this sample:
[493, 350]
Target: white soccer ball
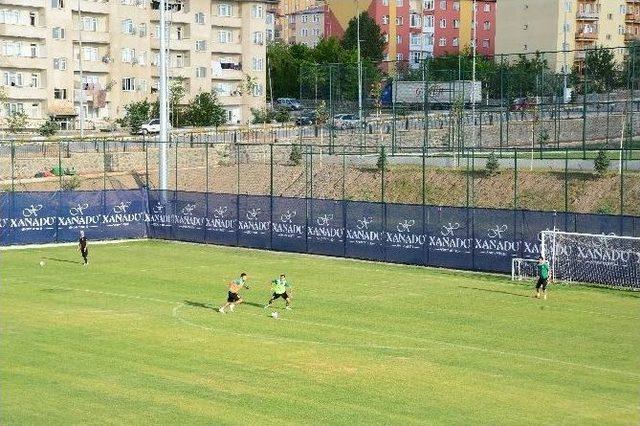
[42, 263]
[274, 315]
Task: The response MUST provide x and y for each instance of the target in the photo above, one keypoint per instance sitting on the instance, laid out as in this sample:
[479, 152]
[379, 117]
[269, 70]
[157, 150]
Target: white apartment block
[214, 45]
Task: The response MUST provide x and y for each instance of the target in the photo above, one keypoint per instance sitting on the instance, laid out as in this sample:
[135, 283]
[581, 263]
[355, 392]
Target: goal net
[593, 258]
[523, 268]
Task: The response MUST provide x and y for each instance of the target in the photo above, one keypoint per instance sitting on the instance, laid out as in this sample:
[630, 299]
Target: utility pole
[359, 66]
[164, 134]
[81, 97]
[564, 54]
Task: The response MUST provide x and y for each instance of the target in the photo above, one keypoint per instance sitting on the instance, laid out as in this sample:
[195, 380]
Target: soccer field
[133, 339]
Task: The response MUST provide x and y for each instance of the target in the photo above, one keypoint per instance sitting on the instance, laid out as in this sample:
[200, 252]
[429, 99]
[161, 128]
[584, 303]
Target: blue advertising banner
[451, 237]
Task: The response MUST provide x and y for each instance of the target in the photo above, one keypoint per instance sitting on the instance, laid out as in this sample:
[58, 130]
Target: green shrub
[48, 128]
[296, 155]
[601, 162]
[492, 165]
[382, 159]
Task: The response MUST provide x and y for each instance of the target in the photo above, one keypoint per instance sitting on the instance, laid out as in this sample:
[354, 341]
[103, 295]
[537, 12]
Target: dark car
[307, 118]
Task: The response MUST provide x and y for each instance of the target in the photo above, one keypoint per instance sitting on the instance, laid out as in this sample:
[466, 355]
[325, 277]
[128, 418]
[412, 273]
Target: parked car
[346, 121]
[288, 103]
[153, 126]
[306, 118]
[523, 104]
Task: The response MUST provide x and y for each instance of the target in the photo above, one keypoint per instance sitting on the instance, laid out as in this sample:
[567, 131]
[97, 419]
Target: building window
[487, 25]
[316, 18]
[257, 90]
[415, 57]
[429, 4]
[455, 42]
[429, 21]
[485, 43]
[257, 11]
[456, 5]
[89, 24]
[443, 23]
[258, 37]
[385, 2]
[305, 18]
[385, 36]
[201, 45]
[14, 108]
[57, 4]
[223, 10]
[224, 36]
[399, 57]
[35, 80]
[32, 19]
[399, 21]
[304, 32]
[385, 19]
[127, 55]
[128, 84]
[201, 72]
[128, 27]
[487, 7]
[456, 23]
[199, 18]
[316, 32]
[414, 20]
[258, 64]
[399, 3]
[398, 39]
[60, 64]
[89, 54]
[60, 93]
[442, 42]
[443, 4]
[58, 33]
[142, 30]
[13, 79]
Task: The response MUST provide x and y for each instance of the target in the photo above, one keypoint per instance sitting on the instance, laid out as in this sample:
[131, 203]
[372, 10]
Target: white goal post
[522, 268]
[609, 260]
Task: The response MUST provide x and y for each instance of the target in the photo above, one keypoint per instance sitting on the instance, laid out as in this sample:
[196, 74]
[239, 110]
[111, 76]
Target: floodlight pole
[473, 73]
[359, 65]
[81, 74]
[162, 101]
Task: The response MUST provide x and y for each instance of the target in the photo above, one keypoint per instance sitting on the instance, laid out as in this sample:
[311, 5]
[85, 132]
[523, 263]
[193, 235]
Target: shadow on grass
[199, 305]
[55, 259]
[497, 291]
[55, 290]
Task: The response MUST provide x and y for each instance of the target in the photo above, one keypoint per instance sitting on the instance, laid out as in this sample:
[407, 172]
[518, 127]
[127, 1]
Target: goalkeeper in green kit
[543, 277]
[279, 286]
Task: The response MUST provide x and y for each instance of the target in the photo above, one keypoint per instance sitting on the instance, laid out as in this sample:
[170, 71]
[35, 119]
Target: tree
[48, 128]
[137, 113]
[601, 162]
[296, 155]
[381, 164]
[205, 111]
[492, 166]
[17, 122]
[372, 42]
[177, 91]
[285, 62]
[600, 69]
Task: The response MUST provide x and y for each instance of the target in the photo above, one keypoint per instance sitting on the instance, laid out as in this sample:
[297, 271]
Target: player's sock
[545, 296]
[221, 310]
[232, 307]
[288, 307]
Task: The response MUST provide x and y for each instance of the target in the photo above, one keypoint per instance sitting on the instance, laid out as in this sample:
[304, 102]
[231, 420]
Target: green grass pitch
[132, 340]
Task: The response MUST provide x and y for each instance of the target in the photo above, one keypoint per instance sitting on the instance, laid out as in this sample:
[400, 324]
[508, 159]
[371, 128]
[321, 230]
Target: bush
[205, 111]
[71, 183]
[382, 159]
[282, 115]
[137, 113]
[262, 115]
[17, 122]
[296, 155]
[492, 165]
[48, 128]
[601, 162]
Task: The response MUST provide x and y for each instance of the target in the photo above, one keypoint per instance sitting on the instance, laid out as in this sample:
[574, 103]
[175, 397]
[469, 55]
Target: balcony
[227, 48]
[86, 96]
[632, 18]
[25, 3]
[580, 54]
[629, 37]
[227, 74]
[93, 66]
[28, 62]
[226, 22]
[587, 15]
[92, 6]
[25, 92]
[23, 31]
[184, 43]
[228, 100]
[97, 37]
[586, 36]
[182, 17]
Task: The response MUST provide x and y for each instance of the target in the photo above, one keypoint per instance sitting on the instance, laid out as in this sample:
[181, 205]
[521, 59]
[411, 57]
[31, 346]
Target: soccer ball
[42, 263]
[274, 315]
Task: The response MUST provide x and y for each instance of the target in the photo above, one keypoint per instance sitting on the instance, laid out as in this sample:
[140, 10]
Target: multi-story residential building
[214, 45]
[566, 27]
[415, 29]
[307, 26]
[284, 29]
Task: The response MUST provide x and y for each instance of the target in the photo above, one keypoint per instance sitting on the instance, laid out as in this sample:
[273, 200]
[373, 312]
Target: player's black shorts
[84, 252]
[542, 282]
[233, 297]
[284, 295]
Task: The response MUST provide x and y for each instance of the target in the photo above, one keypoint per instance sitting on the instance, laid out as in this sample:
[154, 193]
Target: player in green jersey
[279, 286]
[233, 297]
[543, 277]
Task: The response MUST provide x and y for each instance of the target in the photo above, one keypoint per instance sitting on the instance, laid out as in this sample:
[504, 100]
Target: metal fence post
[13, 166]
[515, 178]
[566, 180]
[584, 106]
[206, 167]
[104, 166]
[344, 171]
[271, 170]
[60, 162]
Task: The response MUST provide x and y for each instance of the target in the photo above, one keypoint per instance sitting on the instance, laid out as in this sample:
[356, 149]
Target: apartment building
[214, 45]
[566, 25]
[417, 29]
[307, 26]
[284, 29]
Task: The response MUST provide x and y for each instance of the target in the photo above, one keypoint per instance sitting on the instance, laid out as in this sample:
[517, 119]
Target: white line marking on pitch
[178, 305]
